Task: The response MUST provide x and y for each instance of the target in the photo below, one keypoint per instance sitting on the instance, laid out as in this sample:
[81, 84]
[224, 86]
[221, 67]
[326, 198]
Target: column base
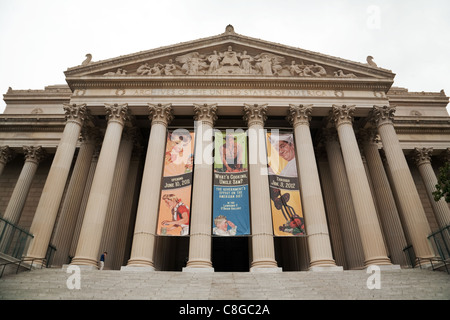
[84, 262]
[140, 262]
[379, 261]
[138, 268]
[326, 268]
[198, 270]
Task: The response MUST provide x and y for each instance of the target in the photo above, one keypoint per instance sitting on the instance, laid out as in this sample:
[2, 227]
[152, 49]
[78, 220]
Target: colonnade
[370, 224]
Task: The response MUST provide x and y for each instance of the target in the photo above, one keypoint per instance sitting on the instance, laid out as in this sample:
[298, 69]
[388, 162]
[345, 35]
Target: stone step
[52, 284]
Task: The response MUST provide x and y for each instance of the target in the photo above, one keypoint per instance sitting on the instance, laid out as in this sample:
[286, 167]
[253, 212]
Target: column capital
[329, 135]
[34, 154]
[369, 136]
[117, 113]
[90, 135]
[342, 114]
[255, 114]
[299, 114]
[6, 154]
[75, 113]
[160, 113]
[206, 113]
[381, 115]
[422, 155]
[445, 155]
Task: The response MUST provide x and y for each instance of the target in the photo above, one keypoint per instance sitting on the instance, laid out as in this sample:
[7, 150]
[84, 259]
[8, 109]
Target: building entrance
[230, 254]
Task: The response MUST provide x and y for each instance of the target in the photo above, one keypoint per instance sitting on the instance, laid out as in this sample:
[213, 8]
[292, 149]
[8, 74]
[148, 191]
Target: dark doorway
[230, 254]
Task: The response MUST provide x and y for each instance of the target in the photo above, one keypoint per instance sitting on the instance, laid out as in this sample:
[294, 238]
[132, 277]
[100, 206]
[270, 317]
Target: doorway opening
[171, 253]
[230, 254]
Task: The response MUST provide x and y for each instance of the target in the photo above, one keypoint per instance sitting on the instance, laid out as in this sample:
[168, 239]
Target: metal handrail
[440, 239]
[20, 262]
[431, 262]
[14, 240]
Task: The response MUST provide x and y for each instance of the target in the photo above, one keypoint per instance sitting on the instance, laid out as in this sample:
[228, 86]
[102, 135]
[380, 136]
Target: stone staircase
[52, 284]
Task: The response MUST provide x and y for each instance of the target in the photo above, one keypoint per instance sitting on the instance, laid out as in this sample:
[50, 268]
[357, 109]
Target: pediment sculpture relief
[231, 62]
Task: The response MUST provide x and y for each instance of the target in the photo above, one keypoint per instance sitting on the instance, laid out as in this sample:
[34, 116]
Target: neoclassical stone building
[84, 166]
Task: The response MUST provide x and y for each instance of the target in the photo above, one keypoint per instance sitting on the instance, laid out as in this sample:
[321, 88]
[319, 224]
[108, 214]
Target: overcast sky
[41, 39]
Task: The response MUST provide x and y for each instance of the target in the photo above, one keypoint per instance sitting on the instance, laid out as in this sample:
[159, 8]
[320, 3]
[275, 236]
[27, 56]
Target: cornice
[245, 82]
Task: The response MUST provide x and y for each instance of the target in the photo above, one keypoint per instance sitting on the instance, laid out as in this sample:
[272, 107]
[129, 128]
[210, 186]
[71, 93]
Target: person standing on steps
[102, 260]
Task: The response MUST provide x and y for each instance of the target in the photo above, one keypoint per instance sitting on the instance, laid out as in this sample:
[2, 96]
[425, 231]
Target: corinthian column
[366, 215]
[6, 155]
[47, 209]
[422, 158]
[408, 198]
[354, 255]
[71, 206]
[261, 216]
[200, 241]
[389, 215]
[147, 212]
[33, 155]
[315, 219]
[96, 208]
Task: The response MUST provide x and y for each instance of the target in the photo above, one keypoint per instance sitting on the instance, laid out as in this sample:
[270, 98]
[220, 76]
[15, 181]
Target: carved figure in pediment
[229, 58]
[214, 62]
[156, 70]
[246, 63]
[119, 72]
[316, 71]
[168, 68]
[192, 63]
[268, 64]
[144, 69]
[341, 74]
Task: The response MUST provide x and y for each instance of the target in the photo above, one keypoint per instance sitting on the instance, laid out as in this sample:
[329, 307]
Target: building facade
[131, 157]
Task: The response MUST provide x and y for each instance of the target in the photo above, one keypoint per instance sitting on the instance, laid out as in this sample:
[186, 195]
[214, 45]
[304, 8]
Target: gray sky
[41, 39]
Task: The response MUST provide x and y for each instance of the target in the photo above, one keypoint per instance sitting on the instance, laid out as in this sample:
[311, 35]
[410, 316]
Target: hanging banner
[174, 208]
[287, 215]
[231, 215]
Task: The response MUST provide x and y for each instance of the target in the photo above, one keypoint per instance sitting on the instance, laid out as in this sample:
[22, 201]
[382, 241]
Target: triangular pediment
[227, 55]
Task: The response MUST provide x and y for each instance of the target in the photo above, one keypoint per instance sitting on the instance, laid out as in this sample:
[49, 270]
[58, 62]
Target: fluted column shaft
[49, 203]
[96, 208]
[71, 206]
[366, 215]
[388, 212]
[128, 204]
[347, 217]
[33, 155]
[332, 212]
[414, 215]
[200, 241]
[147, 212]
[117, 196]
[440, 207]
[261, 217]
[313, 207]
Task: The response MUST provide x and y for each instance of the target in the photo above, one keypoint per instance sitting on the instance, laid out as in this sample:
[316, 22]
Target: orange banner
[174, 208]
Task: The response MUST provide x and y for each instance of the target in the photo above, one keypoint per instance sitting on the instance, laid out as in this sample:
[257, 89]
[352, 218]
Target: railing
[440, 240]
[29, 265]
[14, 241]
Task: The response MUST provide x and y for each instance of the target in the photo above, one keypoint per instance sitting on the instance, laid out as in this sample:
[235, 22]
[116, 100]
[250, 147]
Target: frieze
[230, 62]
[227, 92]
